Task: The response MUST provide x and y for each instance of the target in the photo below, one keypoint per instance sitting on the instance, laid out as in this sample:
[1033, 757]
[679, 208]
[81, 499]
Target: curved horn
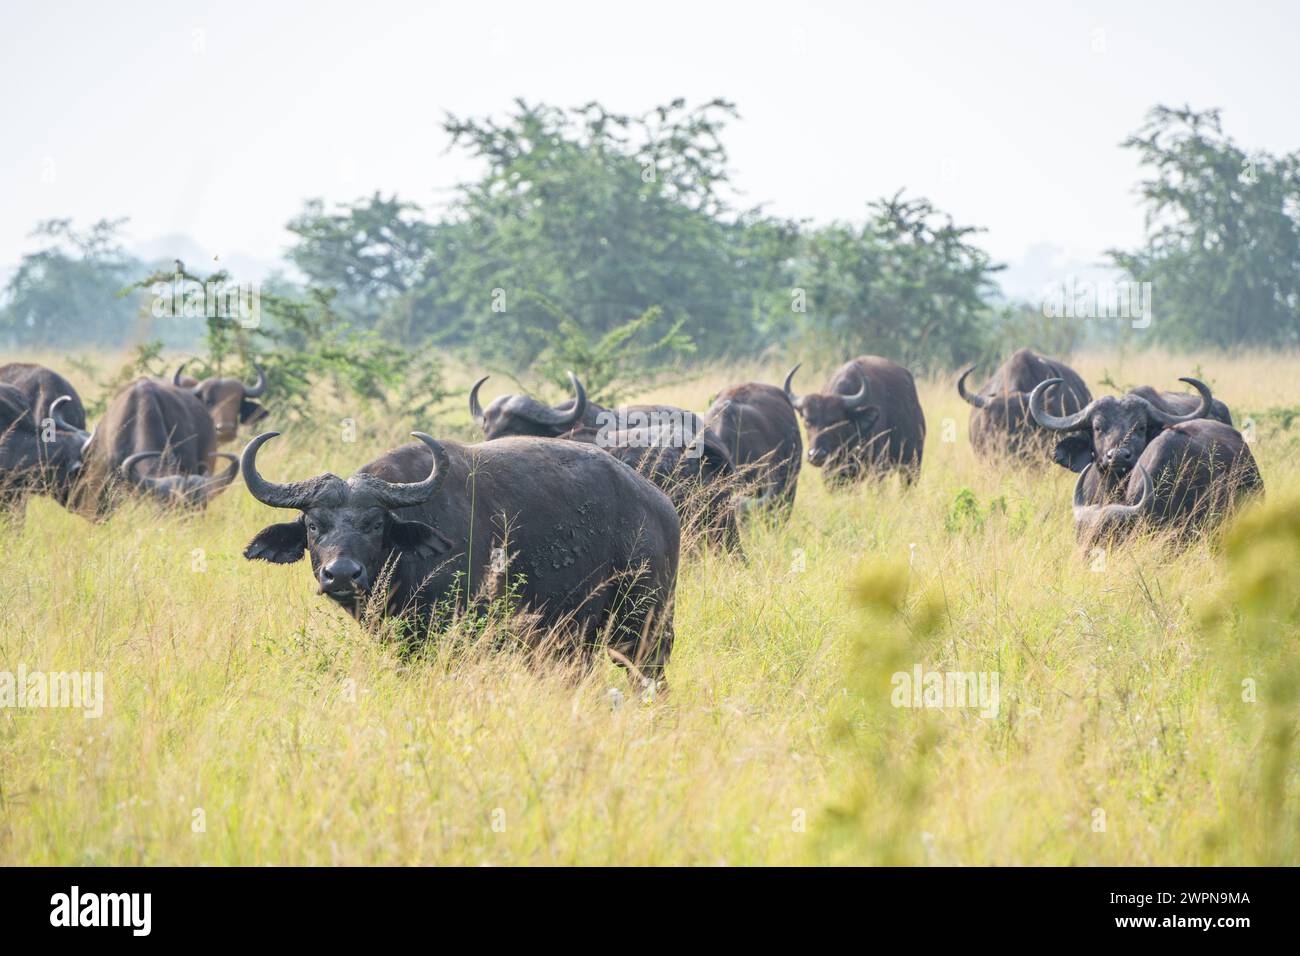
[1148, 489]
[61, 422]
[1113, 513]
[861, 397]
[794, 399]
[558, 419]
[1069, 423]
[971, 398]
[176, 376]
[1128, 512]
[579, 402]
[213, 485]
[1080, 506]
[1165, 418]
[294, 494]
[403, 494]
[162, 488]
[475, 409]
[127, 468]
[260, 387]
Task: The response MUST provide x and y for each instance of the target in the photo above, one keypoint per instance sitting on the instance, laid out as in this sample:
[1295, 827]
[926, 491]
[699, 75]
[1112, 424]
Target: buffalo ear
[279, 543]
[714, 457]
[867, 416]
[1073, 452]
[250, 412]
[417, 538]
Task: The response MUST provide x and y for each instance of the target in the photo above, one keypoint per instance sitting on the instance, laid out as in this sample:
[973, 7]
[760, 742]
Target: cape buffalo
[583, 541]
[868, 419]
[525, 415]
[1000, 423]
[670, 446]
[228, 400]
[1112, 432]
[1188, 478]
[42, 387]
[149, 416]
[759, 429]
[181, 490]
[699, 478]
[1180, 403]
[37, 455]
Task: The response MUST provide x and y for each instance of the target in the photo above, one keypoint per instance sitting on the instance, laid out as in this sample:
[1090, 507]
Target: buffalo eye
[311, 527]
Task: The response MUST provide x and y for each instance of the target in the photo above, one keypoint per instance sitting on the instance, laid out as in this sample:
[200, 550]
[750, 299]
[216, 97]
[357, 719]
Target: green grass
[233, 690]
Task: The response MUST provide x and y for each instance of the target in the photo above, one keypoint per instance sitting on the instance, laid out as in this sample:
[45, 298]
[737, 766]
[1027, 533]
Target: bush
[317, 363]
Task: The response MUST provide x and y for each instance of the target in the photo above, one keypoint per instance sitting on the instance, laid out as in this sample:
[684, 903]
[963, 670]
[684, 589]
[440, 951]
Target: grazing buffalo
[37, 455]
[228, 400]
[525, 415]
[699, 478]
[42, 387]
[190, 491]
[1112, 432]
[1187, 479]
[582, 541]
[758, 427]
[1180, 403]
[670, 446]
[1000, 423]
[150, 416]
[867, 420]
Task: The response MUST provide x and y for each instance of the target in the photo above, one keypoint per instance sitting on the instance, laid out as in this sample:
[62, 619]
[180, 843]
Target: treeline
[591, 231]
[585, 220]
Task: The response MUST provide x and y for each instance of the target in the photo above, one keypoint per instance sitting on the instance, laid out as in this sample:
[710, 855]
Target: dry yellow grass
[248, 722]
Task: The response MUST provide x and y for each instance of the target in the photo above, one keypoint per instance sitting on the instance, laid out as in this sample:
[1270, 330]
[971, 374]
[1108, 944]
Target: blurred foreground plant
[886, 748]
[1254, 622]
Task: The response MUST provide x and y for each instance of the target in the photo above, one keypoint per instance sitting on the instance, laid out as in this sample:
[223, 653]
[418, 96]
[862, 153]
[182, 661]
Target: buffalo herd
[576, 513]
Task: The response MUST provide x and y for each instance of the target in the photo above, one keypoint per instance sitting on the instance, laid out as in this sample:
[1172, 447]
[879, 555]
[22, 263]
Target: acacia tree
[907, 284]
[1222, 250]
[67, 292]
[308, 349]
[370, 252]
[605, 215]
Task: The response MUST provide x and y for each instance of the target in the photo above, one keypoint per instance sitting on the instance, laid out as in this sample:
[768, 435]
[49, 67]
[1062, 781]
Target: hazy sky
[217, 120]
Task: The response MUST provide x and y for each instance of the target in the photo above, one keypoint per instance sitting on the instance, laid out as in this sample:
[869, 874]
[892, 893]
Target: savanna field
[1147, 695]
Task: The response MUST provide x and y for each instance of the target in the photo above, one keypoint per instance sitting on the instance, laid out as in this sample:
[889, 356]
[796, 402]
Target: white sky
[216, 120]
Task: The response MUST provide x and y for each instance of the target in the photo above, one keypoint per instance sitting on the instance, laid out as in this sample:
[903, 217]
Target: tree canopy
[67, 292]
[1222, 250]
[586, 221]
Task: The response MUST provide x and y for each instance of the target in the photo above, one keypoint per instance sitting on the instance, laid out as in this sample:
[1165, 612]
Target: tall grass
[248, 722]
